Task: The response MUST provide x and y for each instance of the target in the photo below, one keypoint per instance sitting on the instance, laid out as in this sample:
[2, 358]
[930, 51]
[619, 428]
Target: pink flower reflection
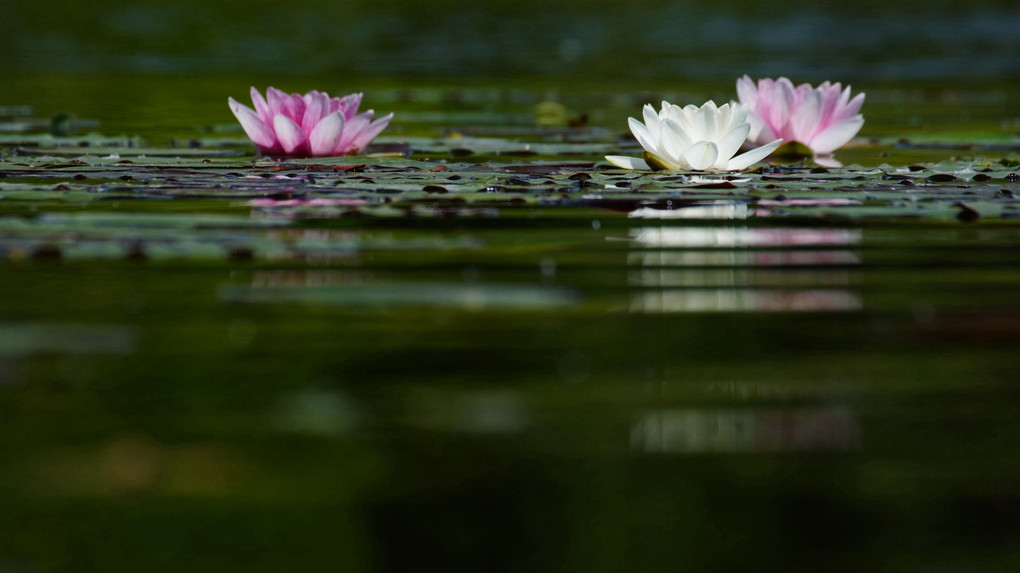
[808, 203]
[310, 125]
[303, 202]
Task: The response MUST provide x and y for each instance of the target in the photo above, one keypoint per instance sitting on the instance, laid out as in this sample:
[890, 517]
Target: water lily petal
[277, 101]
[747, 92]
[703, 124]
[642, 135]
[758, 129]
[261, 107]
[316, 106]
[745, 159]
[367, 134]
[628, 162]
[260, 134]
[701, 155]
[730, 143]
[349, 104]
[652, 120]
[779, 109]
[806, 122]
[852, 107]
[326, 135]
[289, 134]
[295, 104]
[674, 142]
[835, 136]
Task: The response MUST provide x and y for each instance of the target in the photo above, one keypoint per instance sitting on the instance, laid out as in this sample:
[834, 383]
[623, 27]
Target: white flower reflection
[714, 210]
[743, 269]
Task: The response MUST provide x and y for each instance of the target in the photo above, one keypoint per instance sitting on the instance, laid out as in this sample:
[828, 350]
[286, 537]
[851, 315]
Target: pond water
[481, 348]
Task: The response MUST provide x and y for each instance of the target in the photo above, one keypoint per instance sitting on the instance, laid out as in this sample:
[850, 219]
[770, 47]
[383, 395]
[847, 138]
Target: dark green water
[547, 365]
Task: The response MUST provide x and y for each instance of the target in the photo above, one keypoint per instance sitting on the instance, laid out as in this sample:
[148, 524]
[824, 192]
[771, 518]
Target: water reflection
[826, 428]
[755, 417]
[740, 269]
[711, 210]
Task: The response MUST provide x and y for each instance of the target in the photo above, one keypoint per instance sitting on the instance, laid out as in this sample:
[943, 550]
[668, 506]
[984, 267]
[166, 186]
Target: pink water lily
[310, 125]
[822, 119]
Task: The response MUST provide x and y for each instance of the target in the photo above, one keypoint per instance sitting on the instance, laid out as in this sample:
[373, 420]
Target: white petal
[628, 162]
[325, 136]
[643, 136]
[651, 121]
[731, 142]
[703, 125]
[701, 155]
[743, 160]
[259, 133]
[288, 133]
[836, 136]
[674, 142]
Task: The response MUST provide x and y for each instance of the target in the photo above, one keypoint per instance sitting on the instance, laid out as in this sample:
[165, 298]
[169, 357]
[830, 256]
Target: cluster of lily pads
[768, 114]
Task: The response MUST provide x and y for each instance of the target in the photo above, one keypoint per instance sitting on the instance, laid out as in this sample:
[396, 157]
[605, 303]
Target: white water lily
[693, 138]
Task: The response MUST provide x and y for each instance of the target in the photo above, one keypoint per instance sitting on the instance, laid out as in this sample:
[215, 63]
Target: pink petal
[316, 105]
[366, 135]
[835, 136]
[760, 132]
[349, 104]
[277, 101]
[259, 133]
[830, 105]
[851, 108]
[295, 107]
[747, 93]
[801, 93]
[782, 102]
[805, 122]
[289, 133]
[261, 107]
[325, 137]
